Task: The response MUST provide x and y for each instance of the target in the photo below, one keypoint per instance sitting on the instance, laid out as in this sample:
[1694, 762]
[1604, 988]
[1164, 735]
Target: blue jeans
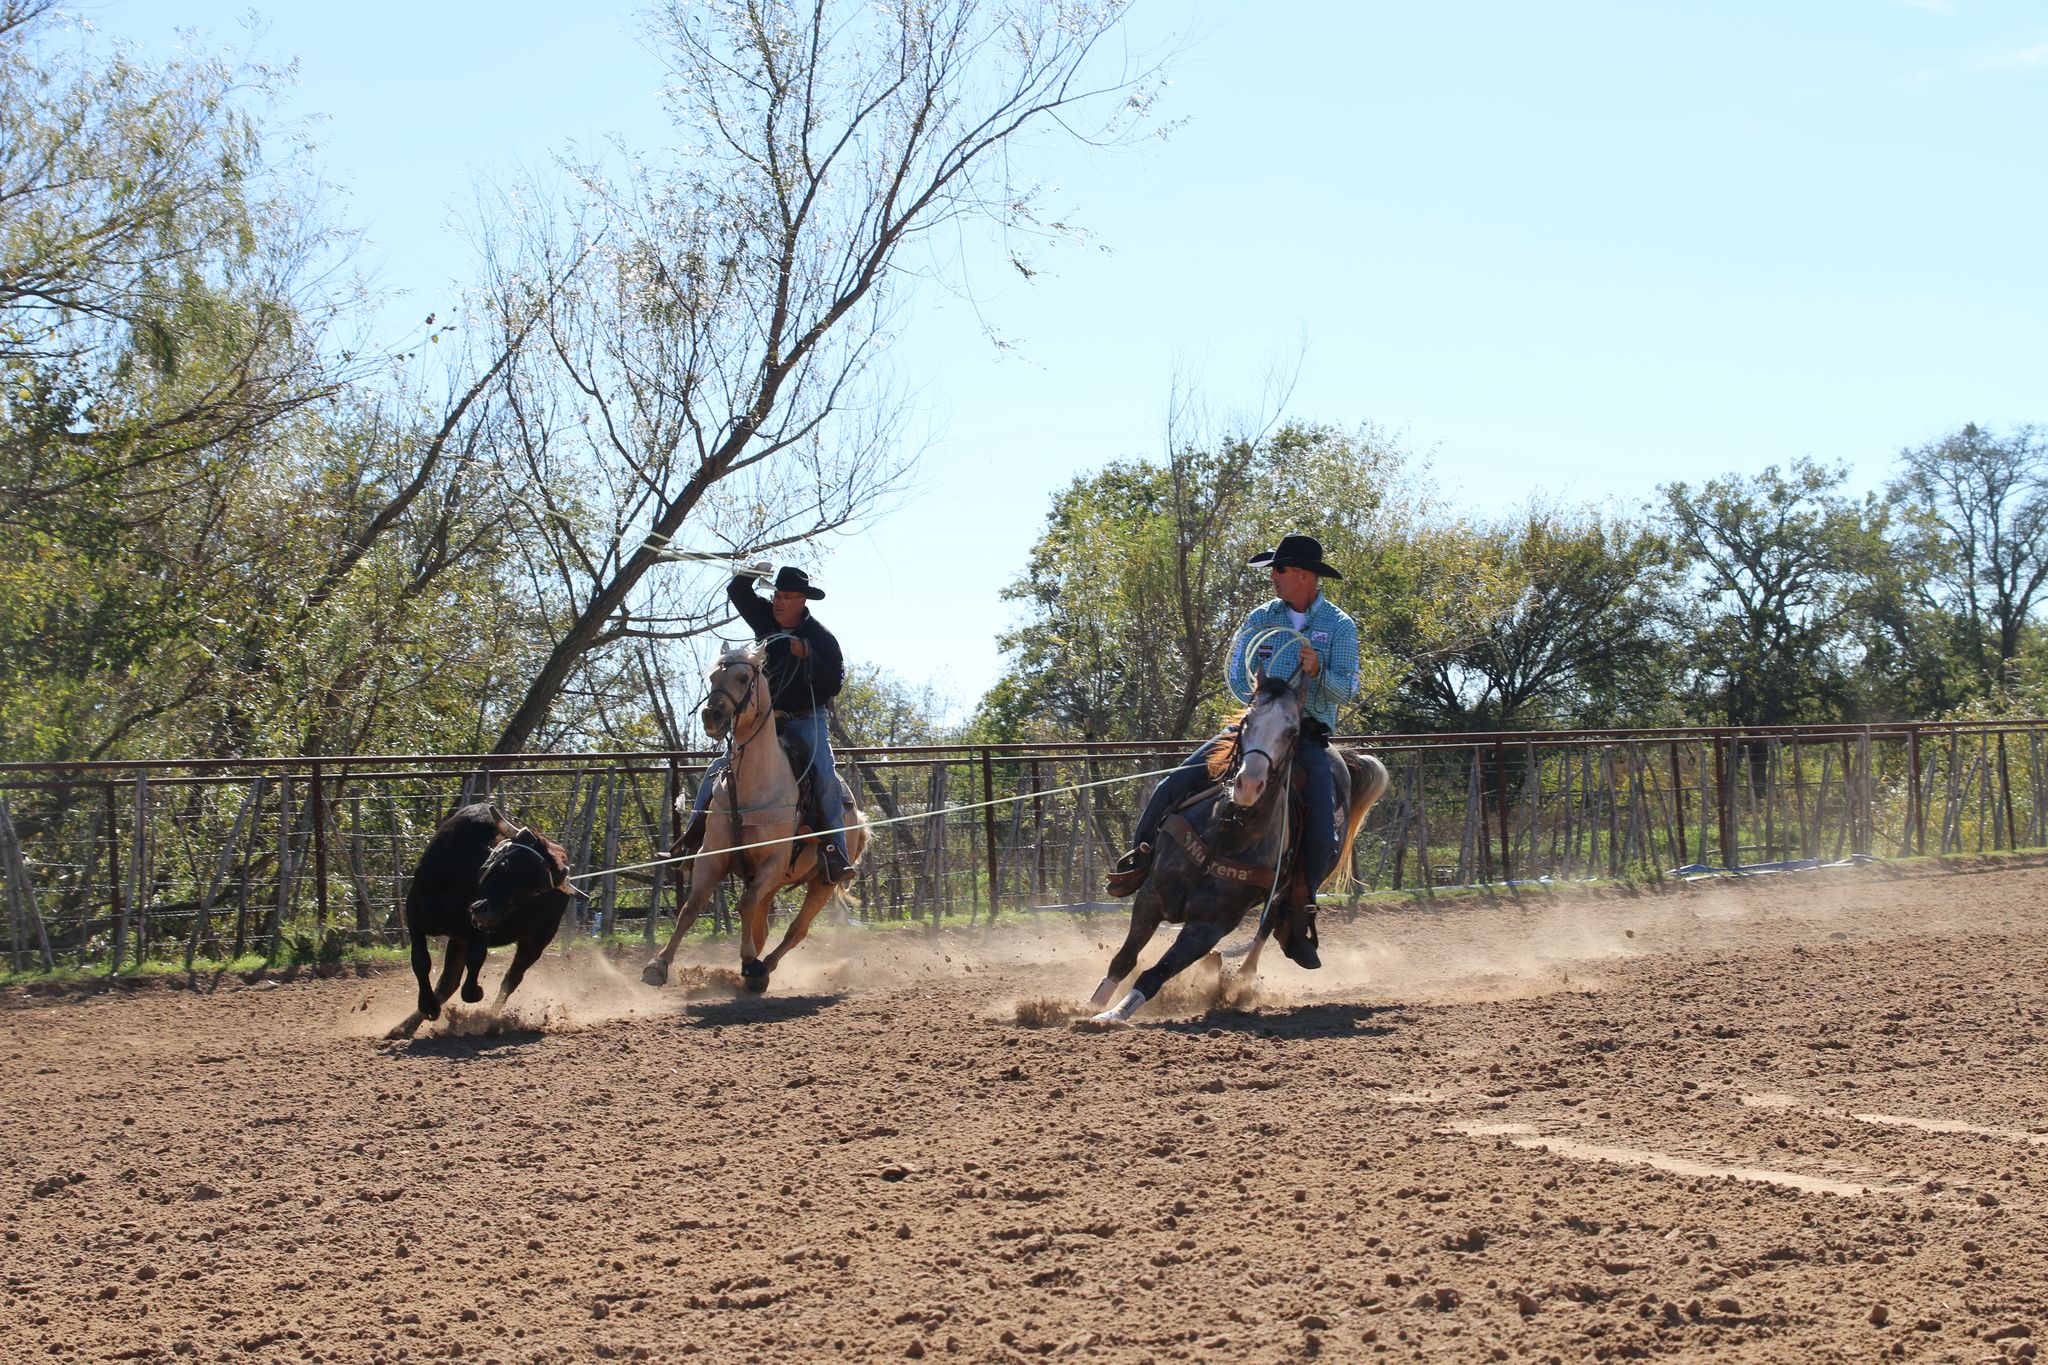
[814, 731]
[1319, 840]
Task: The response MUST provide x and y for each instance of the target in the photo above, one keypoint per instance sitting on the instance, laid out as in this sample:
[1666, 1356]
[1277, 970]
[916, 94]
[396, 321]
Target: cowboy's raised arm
[755, 612]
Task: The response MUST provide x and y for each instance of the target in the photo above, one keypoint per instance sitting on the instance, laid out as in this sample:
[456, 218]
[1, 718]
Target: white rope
[941, 812]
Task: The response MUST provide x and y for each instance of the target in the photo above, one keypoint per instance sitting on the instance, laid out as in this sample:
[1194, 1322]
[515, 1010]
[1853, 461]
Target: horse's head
[1265, 739]
[737, 685]
[517, 871]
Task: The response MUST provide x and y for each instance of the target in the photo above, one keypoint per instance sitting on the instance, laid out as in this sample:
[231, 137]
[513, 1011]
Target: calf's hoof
[655, 973]
[472, 993]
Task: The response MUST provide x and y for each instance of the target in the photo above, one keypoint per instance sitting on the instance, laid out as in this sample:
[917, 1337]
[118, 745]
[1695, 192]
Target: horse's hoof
[472, 994]
[1122, 1010]
[430, 1007]
[655, 973]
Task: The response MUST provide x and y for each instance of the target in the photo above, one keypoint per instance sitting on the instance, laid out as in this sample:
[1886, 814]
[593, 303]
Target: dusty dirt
[1795, 1118]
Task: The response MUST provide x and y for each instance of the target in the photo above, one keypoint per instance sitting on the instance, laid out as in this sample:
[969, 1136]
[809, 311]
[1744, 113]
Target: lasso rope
[1257, 642]
[941, 813]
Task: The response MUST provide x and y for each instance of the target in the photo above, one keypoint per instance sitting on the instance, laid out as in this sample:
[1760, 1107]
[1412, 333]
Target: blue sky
[1576, 250]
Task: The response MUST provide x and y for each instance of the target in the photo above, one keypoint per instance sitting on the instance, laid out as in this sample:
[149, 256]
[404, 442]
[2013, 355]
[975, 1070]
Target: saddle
[808, 818]
[1291, 926]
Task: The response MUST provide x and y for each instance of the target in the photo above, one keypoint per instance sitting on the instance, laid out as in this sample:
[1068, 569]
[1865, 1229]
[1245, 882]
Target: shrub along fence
[114, 864]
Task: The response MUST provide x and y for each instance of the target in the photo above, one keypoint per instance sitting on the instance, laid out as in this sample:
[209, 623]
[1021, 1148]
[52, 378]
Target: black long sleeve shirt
[794, 685]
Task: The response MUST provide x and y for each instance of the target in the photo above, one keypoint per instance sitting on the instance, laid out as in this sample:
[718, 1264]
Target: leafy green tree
[1775, 560]
[1136, 587]
[225, 530]
[153, 330]
[880, 708]
[1579, 641]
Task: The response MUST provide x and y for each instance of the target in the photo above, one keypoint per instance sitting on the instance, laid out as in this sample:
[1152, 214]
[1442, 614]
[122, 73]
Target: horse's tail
[1369, 782]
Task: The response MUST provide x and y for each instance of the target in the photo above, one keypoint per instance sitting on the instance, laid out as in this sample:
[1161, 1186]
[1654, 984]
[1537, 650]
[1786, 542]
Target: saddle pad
[1216, 866]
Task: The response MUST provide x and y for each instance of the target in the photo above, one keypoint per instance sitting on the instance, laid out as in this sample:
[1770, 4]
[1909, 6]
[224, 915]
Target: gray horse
[1223, 855]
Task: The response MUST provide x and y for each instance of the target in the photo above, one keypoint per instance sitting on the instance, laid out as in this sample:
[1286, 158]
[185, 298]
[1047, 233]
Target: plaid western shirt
[1335, 637]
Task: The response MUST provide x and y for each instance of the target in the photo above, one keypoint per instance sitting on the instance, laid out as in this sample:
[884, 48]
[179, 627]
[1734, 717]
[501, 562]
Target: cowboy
[1325, 659]
[805, 672]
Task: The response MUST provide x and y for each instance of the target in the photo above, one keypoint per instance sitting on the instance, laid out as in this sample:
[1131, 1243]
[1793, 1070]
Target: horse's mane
[1225, 751]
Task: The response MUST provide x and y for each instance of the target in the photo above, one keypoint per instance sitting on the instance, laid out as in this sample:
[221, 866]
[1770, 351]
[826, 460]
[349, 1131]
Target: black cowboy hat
[796, 580]
[1296, 552]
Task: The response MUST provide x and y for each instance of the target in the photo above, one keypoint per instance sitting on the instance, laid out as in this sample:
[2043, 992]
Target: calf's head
[518, 871]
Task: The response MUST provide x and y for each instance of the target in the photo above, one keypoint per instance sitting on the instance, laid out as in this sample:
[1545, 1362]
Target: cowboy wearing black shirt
[805, 672]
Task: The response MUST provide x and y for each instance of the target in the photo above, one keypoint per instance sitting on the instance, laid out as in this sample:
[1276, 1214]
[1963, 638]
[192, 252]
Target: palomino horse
[751, 825]
[1227, 853]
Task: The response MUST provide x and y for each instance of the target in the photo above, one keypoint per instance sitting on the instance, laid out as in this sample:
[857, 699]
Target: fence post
[1724, 780]
[138, 890]
[1038, 831]
[988, 828]
[672, 787]
[1678, 804]
[318, 796]
[1916, 813]
[21, 895]
[1500, 791]
[2012, 830]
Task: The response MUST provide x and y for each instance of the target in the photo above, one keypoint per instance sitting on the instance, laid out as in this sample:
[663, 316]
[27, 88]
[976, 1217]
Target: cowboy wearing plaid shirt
[1328, 677]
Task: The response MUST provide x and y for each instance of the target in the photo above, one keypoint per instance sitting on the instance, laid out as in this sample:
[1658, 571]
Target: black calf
[482, 883]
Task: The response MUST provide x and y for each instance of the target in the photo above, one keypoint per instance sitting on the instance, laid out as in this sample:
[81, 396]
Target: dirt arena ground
[1794, 1118]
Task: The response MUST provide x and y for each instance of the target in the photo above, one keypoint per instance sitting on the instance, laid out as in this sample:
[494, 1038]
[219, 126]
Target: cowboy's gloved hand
[1311, 662]
[760, 568]
[799, 650]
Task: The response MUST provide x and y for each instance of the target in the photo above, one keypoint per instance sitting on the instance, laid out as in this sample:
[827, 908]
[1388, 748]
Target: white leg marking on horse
[1124, 1008]
[1104, 992]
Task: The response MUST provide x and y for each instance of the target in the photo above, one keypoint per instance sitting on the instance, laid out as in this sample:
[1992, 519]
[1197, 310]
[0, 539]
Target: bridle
[740, 700]
[1277, 773]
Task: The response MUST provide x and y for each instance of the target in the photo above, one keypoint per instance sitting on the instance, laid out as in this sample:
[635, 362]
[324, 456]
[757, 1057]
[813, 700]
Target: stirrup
[1300, 943]
[1131, 871]
[837, 869]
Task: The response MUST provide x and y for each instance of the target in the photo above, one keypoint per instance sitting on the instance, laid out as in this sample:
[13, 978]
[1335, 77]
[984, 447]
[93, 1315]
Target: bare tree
[711, 376]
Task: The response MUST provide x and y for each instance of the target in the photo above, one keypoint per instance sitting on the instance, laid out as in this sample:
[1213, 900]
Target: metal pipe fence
[116, 864]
